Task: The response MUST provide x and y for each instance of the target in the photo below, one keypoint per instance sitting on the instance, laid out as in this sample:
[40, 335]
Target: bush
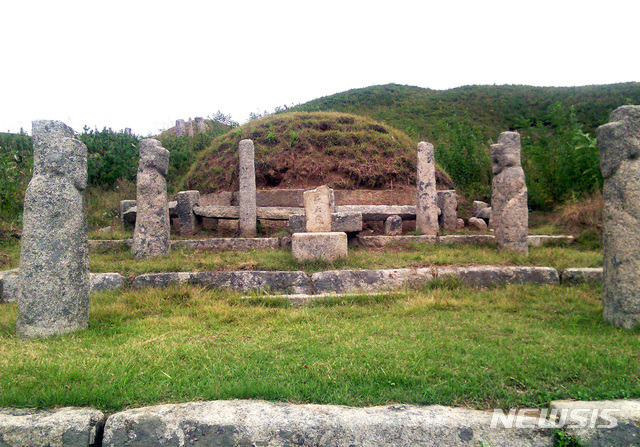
[16, 164]
[559, 159]
[110, 156]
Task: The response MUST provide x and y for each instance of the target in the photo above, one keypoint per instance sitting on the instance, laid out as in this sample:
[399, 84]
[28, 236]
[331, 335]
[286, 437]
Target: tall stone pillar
[509, 210]
[619, 144]
[151, 236]
[201, 124]
[54, 259]
[247, 195]
[190, 131]
[180, 128]
[427, 208]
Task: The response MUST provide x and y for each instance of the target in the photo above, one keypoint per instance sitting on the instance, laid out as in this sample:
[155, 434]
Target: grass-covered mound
[308, 149]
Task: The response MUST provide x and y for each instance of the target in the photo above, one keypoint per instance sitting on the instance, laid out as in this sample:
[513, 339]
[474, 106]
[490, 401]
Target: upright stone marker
[201, 124]
[509, 211]
[190, 128]
[186, 200]
[317, 209]
[247, 196]
[54, 259]
[448, 204]
[180, 128]
[427, 208]
[619, 144]
[151, 236]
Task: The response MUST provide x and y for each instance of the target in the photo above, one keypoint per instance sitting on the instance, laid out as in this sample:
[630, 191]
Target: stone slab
[340, 222]
[383, 241]
[624, 415]
[258, 423]
[233, 212]
[317, 209]
[580, 275]
[487, 276]
[106, 281]
[541, 240]
[380, 212]
[233, 244]
[291, 282]
[325, 246]
[345, 281]
[63, 427]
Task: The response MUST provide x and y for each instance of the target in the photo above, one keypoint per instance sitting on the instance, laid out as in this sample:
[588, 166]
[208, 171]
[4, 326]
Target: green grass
[506, 347]
[413, 255]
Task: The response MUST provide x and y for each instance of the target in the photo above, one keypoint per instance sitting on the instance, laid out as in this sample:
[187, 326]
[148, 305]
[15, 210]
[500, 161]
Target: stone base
[325, 246]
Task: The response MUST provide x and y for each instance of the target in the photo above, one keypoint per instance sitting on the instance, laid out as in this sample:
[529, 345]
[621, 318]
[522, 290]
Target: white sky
[143, 64]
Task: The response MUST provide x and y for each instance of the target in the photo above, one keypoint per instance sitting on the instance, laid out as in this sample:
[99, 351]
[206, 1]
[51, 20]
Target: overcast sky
[143, 64]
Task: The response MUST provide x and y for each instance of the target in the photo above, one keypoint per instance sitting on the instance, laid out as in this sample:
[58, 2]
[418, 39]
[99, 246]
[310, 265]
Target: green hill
[492, 108]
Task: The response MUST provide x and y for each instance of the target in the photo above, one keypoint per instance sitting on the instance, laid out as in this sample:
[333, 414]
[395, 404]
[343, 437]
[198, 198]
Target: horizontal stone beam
[380, 212]
[233, 212]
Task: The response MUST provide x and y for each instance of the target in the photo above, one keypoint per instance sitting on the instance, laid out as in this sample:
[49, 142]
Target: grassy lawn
[511, 346]
[415, 255]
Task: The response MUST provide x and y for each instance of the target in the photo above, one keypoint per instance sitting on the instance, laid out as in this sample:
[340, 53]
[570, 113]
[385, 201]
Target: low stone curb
[255, 423]
[245, 244]
[473, 239]
[64, 427]
[99, 281]
[293, 282]
[580, 275]
[332, 281]
[488, 276]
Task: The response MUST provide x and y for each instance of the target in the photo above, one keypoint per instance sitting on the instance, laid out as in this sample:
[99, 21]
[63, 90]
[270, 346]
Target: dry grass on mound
[307, 149]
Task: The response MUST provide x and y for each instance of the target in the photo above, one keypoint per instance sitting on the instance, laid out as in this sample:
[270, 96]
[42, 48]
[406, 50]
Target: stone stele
[54, 260]
[509, 211]
[619, 145]
[151, 236]
[427, 207]
[317, 209]
[247, 224]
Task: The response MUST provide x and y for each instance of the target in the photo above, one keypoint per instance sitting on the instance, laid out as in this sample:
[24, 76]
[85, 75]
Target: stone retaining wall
[254, 423]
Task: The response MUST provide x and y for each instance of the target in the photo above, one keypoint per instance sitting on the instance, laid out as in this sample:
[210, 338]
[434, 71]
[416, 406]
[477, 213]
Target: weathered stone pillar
[151, 236]
[619, 144]
[448, 204]
[201, 124]
[317, 209]
[180, 128]
[427, 208]
[190, 128]
[54, 259]
[247, 196]
[186, 200]
[509, 211]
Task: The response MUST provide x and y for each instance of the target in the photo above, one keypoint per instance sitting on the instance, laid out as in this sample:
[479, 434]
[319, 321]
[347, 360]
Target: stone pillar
[186, 200]
[448, 204]
[509, 211]
[151, 236]
[393, 226]
[190, 128]
[54, 260]
[427, 208]
[247, 195]
[201, 125]
[619, 144]
[317, 209]
[180, 128]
